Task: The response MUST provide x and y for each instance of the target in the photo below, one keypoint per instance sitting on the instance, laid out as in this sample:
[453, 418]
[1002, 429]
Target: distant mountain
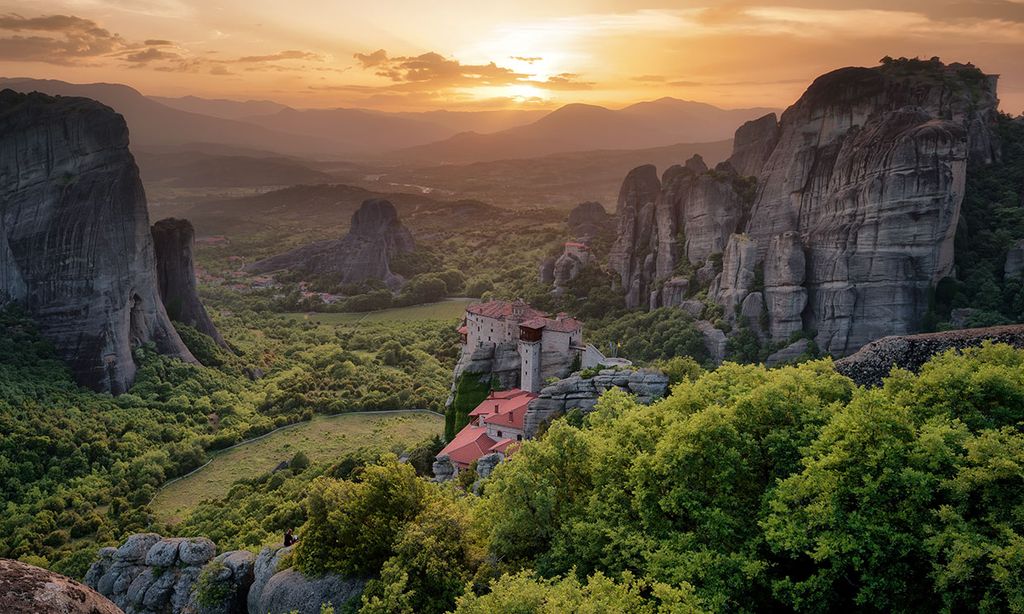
[191, 169]
[581, 127]
[478, 121]
[152, 124]
[357, 130]
[218, 107]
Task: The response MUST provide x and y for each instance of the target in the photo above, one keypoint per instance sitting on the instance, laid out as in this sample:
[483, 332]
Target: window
[519, 437]
[499, 433]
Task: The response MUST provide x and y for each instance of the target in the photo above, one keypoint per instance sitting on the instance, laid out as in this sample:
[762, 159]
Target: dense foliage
[79, 469]
[991, 220]
[747, 489]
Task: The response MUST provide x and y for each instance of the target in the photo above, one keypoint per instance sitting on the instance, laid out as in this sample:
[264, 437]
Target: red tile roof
[468, 445]
[504, 408]
[503, 310]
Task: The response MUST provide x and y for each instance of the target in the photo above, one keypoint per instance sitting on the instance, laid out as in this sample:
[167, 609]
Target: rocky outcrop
[632, 256]
[566, 269]
[173, 242]
[277, 590]
[870, 364]
[577, 392]
[588, 221]
[753, 143]
[497, 362]
[789, 354]
[365, 253]
[784, 291]
[25, 589]
[75, 245]
[869, 171]
[715, 342]
[851, 224]
[444, 469]
[688, 215]
[149, 574]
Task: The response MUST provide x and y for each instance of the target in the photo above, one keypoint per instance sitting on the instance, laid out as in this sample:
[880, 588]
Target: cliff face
[857, 202]
[173, 241]
[75, 246]
[376, 235]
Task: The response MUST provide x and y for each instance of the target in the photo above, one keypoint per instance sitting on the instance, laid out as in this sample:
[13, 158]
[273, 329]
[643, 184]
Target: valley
[655, 357]
[321, 439]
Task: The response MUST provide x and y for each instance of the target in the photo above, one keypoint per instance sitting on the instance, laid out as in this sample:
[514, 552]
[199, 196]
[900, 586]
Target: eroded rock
[25, 589]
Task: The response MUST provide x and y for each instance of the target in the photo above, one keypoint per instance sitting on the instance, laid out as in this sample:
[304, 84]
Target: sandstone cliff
[75, 246]
[852, 219]
[365, 253]
[173, 241]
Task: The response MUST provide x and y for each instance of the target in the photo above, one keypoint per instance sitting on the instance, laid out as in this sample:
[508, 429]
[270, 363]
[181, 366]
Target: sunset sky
[455, 54]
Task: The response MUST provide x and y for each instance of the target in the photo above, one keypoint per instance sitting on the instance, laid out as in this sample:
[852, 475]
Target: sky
[475, 55]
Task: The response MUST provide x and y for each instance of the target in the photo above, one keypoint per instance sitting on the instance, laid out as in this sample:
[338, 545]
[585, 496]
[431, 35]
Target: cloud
[56, 39]
[432, 71]
[565, 81]
[157, 42]
[528, 60]
[650, 78]
[291, 54]
[150, 54]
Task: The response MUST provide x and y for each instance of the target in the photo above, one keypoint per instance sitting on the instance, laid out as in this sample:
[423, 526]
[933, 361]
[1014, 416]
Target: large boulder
[275, 590]
[870, 364]
[635, 211]
[75, 246]
[25, 589]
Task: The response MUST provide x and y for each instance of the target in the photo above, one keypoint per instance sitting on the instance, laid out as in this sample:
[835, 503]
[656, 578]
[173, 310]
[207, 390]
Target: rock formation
[871, 363]
[852, 220]
[577, 392]
[588, 221]
[288, 590]
[173, 241]
[25, 589]
[149, 574]
[75, 245]
[365, 253]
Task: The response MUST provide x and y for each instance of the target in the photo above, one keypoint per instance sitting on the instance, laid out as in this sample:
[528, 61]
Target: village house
[495, 425]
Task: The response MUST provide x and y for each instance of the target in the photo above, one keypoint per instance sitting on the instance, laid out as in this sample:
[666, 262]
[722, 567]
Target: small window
[519, 437]
[499, 433]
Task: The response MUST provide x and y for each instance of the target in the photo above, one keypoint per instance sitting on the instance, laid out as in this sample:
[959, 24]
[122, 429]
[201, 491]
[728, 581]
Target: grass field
[322, 439]
[448, 309]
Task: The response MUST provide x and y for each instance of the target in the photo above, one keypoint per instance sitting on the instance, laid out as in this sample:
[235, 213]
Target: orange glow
[458, 54]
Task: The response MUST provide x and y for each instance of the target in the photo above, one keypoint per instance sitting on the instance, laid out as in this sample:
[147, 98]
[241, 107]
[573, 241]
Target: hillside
[582, 127]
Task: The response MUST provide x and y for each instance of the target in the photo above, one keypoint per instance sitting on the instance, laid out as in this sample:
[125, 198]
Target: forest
[745, 490]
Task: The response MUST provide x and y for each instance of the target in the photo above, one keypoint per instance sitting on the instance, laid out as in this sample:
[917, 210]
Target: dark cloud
[56, 39]
[158, 42]
[432, 71]
[148, 55]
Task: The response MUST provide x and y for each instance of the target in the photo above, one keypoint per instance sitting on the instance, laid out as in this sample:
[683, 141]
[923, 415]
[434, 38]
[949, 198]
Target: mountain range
[200, 124]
